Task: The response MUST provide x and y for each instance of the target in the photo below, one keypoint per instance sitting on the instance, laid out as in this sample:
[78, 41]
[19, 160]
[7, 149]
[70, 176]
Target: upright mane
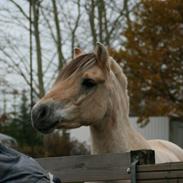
[118, 72]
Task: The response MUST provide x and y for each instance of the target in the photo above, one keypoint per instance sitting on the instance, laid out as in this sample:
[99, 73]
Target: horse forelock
[79, 63]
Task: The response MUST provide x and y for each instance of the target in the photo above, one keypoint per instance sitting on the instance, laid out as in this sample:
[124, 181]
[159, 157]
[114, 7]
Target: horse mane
[118, 72]
[79, 63]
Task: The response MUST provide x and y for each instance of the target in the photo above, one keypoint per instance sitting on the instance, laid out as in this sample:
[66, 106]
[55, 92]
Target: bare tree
[36, 11]
[90, 8]
[59, 37]
[54, 29]
[106, 19]
[30, 53]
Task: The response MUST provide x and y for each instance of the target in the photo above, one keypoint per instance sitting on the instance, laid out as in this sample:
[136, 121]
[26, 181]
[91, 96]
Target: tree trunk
[36, 6]
[58, 33]
[107, 39]
[91, 14]
[73, 32]
[30, 53]
[100, 20]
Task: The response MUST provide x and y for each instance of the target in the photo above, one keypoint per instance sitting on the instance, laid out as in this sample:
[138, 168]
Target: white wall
[157, 128]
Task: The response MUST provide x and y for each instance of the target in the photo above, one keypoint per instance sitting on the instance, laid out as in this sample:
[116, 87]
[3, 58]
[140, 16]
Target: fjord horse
[91, 90]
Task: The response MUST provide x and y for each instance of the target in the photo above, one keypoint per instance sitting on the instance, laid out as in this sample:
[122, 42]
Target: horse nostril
[43, 111]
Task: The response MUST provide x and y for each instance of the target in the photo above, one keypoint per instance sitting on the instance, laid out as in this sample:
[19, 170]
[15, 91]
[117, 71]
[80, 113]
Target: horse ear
[101, 53]
[77, 52]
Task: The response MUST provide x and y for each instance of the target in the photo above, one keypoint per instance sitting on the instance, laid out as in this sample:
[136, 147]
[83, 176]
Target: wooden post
[144, 156]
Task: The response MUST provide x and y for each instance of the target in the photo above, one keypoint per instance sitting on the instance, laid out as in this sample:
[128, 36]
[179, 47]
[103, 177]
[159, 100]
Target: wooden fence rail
[111, 167]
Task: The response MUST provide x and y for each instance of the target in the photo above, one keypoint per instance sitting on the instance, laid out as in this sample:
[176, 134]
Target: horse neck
[114, 134]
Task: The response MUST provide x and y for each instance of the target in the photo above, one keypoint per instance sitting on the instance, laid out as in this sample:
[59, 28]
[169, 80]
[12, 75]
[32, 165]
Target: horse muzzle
[44, 118]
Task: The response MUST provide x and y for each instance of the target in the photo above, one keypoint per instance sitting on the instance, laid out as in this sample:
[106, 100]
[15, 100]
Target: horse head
[81, 94]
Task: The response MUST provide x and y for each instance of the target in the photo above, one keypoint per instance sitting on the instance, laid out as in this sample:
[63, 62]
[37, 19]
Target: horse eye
[88, 83]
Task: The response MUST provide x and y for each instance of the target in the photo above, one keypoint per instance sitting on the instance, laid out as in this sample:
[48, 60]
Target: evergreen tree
[20, 126]
[28, 135]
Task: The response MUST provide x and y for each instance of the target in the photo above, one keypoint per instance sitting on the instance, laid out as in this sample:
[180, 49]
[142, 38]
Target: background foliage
[152, 57]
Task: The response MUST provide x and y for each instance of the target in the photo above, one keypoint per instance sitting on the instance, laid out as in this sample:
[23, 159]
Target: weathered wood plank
[161, 167]
[161, 172]
[112, 167]
[160, 175]
[88, 168]
[177, 180]
[95, 167]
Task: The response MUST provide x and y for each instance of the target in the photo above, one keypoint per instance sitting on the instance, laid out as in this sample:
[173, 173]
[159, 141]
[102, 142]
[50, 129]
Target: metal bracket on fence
[139, 157]
[133, 170]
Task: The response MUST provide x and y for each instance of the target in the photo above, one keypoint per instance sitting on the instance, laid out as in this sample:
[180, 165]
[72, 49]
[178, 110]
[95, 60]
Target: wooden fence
[135, 167]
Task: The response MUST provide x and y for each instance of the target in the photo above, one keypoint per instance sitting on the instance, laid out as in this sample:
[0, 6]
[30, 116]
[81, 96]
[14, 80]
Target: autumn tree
[153, 57]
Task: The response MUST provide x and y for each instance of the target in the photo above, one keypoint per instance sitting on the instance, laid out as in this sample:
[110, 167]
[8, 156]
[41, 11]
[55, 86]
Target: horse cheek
[93, 110]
